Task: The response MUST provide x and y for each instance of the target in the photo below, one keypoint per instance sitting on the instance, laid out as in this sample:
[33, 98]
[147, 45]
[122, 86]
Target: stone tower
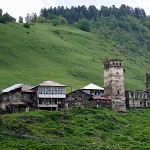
[148, 84]
[114, 83]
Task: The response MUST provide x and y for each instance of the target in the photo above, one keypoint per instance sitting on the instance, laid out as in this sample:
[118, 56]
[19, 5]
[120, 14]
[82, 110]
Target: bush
[84, 25]
[26, 25]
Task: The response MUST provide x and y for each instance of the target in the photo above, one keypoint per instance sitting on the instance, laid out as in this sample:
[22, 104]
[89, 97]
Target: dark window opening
[118, 92]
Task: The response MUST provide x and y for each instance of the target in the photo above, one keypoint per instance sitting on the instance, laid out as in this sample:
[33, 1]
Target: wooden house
[50, 95]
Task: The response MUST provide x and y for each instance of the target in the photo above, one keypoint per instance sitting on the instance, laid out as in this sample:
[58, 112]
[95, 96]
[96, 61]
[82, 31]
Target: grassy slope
[82, 129]
[44, 52]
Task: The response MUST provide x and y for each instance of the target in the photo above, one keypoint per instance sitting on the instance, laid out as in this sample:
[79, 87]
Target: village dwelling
[88, 96]
[93, 90]
[49, 95]
[76, 98]
[17, 96]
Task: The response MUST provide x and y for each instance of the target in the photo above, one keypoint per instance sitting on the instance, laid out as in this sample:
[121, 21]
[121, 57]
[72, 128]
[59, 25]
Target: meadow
[63, 54]
[76, 128]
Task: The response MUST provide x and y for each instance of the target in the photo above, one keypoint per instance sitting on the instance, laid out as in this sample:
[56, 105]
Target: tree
[41, 19]
[62, 20]
[28, 17]
[104, 11]
[55, 22]
[84, 25]
[20, 19]
[1, 12]
[33, 17]
[7, 18]
[92, 11]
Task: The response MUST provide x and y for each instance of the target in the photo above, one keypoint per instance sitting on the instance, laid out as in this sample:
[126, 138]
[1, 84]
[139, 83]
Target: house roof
[92, 86]
[24, 88]
[50, 83]
[13, 87]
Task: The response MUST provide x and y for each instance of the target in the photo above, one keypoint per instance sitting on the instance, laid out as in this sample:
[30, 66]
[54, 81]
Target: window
[52, 90]
[46, 91]
[55, 90]
[49, 90]
[118, 92]
[40, 91]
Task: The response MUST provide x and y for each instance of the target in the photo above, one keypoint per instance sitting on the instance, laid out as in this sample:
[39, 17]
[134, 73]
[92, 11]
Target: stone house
[93, 90]
[88, 96]
[16, 97]
[49, 95]
[76, 98]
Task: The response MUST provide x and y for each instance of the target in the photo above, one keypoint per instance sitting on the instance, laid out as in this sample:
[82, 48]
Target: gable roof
[50, 83]
[24, 88]
[92, 86]
[11, 88]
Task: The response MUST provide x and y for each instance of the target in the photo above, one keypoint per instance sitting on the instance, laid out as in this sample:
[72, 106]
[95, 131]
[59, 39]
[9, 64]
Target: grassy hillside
[62, 54]
[76, 129]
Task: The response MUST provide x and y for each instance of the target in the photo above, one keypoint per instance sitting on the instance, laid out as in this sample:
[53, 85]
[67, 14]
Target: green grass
[45, 52]
[82, 129]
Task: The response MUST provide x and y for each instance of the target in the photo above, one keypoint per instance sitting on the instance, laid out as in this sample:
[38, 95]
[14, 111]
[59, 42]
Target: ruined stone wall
[137, 99]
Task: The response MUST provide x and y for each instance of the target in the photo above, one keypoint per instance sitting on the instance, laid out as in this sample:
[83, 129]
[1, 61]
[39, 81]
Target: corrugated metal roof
[11, 88]
[50, 83]
[24, 88]
[92, 86]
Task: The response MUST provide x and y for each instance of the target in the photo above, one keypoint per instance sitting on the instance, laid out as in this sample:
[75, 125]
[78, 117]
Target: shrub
[26, 25]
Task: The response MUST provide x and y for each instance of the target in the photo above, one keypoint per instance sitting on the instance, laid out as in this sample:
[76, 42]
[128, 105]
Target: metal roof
[24, 88]
[92, 86]
[11, 88]
[50, 83]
